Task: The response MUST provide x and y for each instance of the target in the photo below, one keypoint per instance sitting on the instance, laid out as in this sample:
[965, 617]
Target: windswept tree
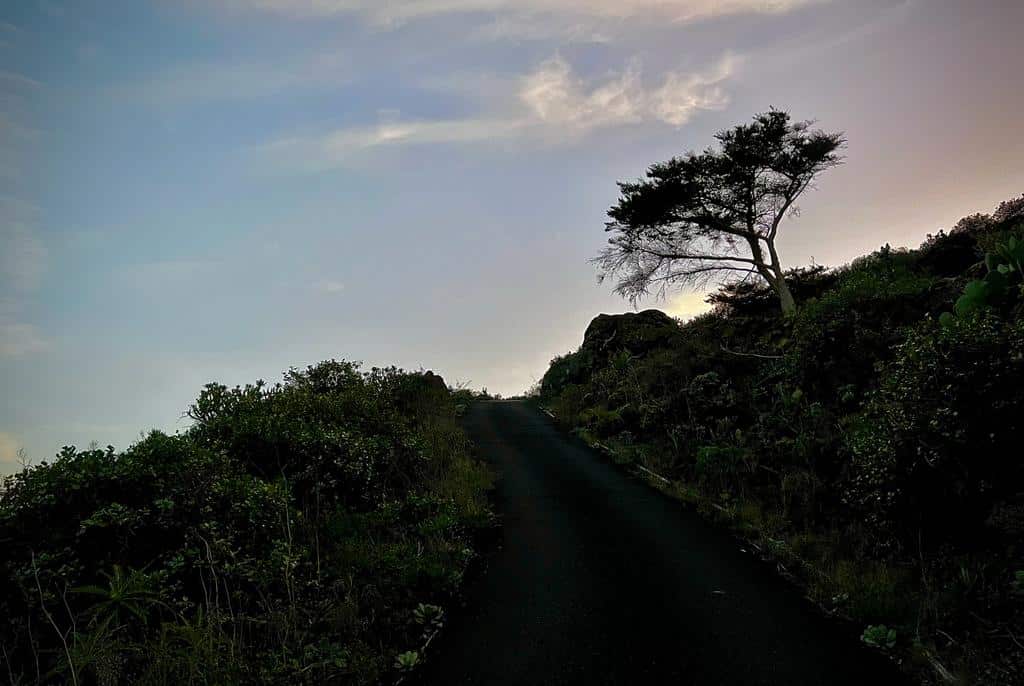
[701, 217]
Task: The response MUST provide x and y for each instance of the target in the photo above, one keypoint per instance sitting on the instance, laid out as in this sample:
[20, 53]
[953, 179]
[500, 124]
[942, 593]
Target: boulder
[635, 332]
[434, 381]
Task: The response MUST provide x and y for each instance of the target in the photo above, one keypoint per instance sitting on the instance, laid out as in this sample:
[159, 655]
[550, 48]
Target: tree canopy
[702, 216]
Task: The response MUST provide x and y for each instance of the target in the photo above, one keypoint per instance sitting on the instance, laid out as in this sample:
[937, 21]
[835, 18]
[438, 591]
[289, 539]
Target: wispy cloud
[555, 96]
[552, 104]
[568, 21]
[401, 11]
[534, 27]
[9, 78]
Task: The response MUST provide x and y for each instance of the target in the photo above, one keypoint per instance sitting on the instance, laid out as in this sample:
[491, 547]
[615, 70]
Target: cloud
[568, 21]
[555, 96]
[398, 12]
[541, 28]
[18, 80]
[552, 104]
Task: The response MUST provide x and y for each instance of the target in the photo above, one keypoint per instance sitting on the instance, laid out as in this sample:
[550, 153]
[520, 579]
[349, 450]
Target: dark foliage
[297, 533]
[870, 440]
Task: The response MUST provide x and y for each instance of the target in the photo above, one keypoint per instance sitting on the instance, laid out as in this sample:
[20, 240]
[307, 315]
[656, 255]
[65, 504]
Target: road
[600, 579]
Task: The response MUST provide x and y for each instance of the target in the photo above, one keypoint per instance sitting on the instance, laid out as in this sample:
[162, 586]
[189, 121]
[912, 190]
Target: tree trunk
[778, 281]
[785, 295]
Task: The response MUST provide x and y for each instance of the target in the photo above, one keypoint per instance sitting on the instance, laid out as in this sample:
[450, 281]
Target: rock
[435, 381]
[635, 332]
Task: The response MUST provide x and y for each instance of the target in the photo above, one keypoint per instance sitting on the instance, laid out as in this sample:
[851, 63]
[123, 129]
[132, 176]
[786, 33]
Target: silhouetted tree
[704, 214]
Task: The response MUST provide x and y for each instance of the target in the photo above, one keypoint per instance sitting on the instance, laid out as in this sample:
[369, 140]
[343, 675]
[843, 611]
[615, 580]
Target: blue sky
[220, 189]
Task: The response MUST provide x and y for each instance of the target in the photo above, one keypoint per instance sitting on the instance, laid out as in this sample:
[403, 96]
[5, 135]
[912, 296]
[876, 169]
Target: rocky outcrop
[635, 332]
[434, 381]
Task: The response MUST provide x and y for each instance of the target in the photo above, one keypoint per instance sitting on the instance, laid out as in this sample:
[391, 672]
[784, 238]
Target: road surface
[600, 579]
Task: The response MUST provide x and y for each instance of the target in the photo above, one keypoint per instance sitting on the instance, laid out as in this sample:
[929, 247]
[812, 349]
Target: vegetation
[719, 211]
[869, 442]
[305, 532]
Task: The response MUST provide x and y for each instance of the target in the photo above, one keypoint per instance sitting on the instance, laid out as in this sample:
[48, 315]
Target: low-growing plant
[407, 661]
[879, 636]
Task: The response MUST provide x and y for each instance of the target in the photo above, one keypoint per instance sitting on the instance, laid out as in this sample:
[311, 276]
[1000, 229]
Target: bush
[939, 442]
[287, 537]
[838, 338]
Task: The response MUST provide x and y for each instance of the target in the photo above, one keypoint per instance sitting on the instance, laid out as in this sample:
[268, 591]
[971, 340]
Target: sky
[218, 190]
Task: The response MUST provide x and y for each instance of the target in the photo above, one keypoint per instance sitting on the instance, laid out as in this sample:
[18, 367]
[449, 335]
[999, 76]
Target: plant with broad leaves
[428, 616]
[879, 636]
[131, 592]
[407, 661]
[1005, 277]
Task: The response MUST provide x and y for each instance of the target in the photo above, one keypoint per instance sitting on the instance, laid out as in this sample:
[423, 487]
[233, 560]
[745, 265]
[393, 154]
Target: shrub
[838, 338]
[288, 537]
[879, 636]
[938, 442]
[1002, 284]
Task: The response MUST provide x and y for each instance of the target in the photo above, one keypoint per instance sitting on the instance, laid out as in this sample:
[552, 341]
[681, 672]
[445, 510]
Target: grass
[862, 591]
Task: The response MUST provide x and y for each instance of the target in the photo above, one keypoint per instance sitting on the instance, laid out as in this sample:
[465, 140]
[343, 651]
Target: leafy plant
[131, 592]
[407, 661]
[428, 616]
[1005, 264]
[879, 636]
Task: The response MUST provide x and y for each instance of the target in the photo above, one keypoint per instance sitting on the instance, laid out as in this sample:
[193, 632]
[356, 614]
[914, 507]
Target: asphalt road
[600, 579]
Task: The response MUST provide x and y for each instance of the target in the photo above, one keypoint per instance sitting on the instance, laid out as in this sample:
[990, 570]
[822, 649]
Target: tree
[704, 215]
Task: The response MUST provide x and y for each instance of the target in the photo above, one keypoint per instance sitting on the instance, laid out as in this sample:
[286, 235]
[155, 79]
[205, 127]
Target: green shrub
[879, 636]
[837, 339]
[1003, 283]
[290, 536]
[939, 441]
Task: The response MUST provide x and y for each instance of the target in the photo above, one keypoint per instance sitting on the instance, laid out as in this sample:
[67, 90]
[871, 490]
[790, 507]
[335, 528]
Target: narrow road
[600, 579]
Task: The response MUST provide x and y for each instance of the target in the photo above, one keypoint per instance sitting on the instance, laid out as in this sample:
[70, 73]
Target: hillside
[869, 442]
